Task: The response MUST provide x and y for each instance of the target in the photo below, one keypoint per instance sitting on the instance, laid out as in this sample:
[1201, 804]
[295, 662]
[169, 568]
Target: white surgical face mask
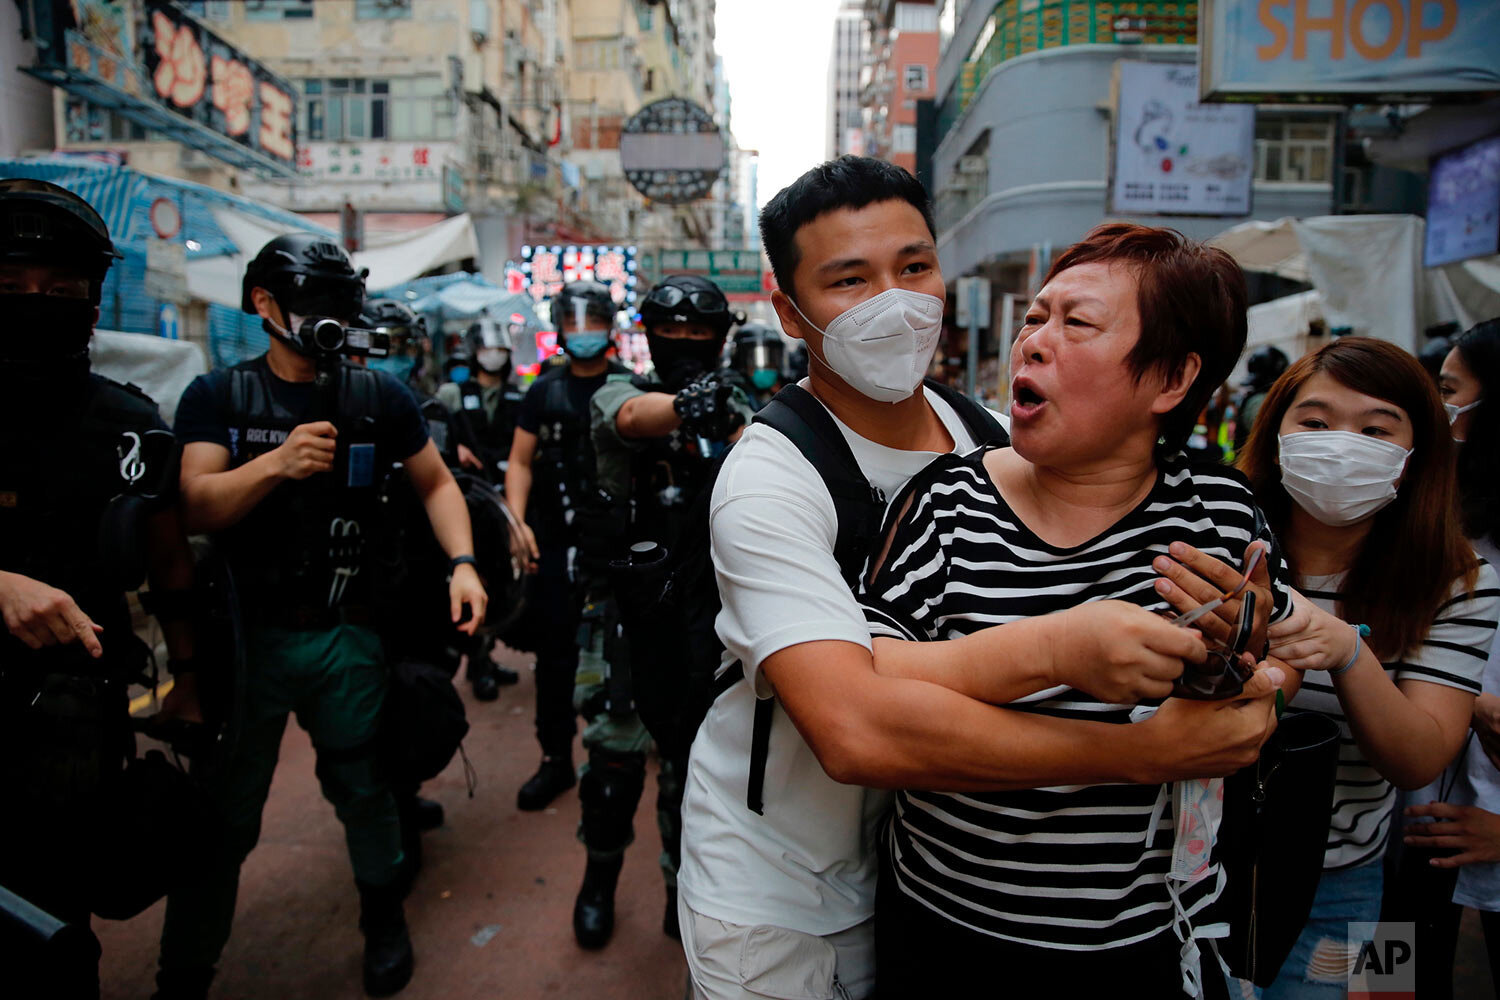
[1340, 477]
[882, 346]
[1455, 411]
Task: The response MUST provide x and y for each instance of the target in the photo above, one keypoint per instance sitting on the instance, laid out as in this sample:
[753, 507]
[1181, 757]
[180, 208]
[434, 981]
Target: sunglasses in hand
[1222, 675]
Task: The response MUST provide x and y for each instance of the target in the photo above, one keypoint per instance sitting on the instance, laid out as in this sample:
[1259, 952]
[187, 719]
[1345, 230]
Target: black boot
[427, 814]
[594, 910]
[554, 777]
[388, 956]
[183, 984]
[669, 919]
[483, 677]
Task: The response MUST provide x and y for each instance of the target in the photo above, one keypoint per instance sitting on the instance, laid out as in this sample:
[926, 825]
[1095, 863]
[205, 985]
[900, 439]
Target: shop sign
[1175, 155]
[1348, 51]
[373, 161]
[736, 272]
[203, 78]
[544, 270]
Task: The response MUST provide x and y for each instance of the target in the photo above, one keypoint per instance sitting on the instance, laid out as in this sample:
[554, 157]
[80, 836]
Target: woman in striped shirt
[1352, 461]
[1081, 887]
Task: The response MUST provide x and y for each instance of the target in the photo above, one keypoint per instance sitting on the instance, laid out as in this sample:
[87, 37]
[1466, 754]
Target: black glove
[706, 407]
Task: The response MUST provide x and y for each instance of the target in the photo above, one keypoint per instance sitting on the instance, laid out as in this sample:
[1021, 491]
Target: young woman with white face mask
[1351, 459]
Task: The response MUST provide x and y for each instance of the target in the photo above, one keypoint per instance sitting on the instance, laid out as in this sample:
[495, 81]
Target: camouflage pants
[612, 779]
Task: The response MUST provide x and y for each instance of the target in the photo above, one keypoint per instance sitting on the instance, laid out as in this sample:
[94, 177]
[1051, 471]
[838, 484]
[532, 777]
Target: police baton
[47, 950]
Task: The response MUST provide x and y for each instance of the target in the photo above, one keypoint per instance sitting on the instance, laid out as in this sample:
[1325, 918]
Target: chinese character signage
[544, 270]
[203, 78]
[736, 272]
[373, 161]
[1333, 50]
[1174, 155]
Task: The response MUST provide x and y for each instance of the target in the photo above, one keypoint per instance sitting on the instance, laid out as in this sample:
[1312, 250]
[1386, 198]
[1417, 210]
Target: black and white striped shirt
[1452, 654]
[1070, 867]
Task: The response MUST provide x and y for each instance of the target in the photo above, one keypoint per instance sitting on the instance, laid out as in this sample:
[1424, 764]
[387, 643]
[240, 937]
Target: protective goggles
[704, 301]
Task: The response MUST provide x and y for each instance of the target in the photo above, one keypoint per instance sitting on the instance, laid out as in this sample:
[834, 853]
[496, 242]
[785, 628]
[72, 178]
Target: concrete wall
[1048, 119]
[25, 102]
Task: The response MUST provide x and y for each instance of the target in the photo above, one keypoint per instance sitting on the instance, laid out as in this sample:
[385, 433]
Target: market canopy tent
[1368, 273]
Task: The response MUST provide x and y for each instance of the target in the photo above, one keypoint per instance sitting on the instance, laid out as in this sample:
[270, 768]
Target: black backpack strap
[798, 415]
[760, 748]
[980, 421]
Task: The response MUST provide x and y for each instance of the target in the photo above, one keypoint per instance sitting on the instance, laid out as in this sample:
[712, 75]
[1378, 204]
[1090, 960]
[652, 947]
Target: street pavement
[490, 914]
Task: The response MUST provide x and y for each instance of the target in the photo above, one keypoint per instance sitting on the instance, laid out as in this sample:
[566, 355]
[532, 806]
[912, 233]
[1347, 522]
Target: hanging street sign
[672, 152]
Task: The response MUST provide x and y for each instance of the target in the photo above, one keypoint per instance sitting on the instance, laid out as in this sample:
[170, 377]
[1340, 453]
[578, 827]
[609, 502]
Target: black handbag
[1272, 841]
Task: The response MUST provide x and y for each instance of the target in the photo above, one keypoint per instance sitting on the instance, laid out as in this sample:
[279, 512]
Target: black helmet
[597, 302]
[393, 317]
[47, 224]
[688, 298]
[1264, 367]
[796, 362]
[310, 275]
[758, 352]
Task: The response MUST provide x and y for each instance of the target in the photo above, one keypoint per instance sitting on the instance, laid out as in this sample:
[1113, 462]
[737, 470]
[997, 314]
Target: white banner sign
[373, 161]
[1175, 156]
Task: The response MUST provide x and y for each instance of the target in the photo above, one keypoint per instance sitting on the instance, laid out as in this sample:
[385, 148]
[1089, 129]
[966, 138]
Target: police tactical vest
[666, 475]
[307, 546]
[494, 434]
[563, 472]
[60, 520]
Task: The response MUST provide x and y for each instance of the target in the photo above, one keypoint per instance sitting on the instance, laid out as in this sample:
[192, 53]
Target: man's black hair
[847, 182]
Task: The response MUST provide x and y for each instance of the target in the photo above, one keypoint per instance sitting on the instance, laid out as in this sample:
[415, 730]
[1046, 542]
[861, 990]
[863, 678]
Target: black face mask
[679, 360]
[45, 348]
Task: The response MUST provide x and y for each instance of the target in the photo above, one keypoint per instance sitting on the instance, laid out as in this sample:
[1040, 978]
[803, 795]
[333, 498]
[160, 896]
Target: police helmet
[393, 317]
[307, 274]
[1264, 367]
[688, 298]
[43, 223]
[591, 297]
[796, 362]
[756, 345]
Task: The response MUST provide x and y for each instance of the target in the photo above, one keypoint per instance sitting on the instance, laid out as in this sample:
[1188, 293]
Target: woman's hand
[1474, 833]
[1191, 578]
[1212, 739]
[1312, 639]
[1121, 653]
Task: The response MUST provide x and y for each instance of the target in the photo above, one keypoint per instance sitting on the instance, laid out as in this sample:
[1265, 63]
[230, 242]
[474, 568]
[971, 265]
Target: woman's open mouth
[1026, 401]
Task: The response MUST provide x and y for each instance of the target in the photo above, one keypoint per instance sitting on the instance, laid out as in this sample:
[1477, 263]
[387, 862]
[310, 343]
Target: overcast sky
[776, 58]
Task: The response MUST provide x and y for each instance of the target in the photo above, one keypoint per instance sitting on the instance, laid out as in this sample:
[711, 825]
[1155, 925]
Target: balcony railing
[1016, 27]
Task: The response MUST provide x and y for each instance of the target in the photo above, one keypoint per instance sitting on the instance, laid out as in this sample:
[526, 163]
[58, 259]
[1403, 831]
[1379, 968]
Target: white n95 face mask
[882, 346]
[1340, 477]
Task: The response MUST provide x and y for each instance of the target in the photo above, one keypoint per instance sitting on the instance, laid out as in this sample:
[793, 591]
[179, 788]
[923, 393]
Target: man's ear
[265, 305]
[1175, 385]
[791, 322]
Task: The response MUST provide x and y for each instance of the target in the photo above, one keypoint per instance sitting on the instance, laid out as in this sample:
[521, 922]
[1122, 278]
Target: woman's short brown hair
[1191, 298]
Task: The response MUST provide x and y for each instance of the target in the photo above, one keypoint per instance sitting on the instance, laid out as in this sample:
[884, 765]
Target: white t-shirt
[808, 863]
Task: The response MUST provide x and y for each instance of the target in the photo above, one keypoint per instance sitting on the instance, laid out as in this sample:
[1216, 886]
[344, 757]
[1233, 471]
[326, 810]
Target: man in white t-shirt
[779, 904]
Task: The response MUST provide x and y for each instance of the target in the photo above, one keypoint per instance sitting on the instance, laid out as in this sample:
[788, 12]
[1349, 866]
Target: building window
[277, 10]
[381, 10]
[916, 17]
[914, 78]
[341, 109]
[1293, 149]
[903, 139]
[207, 10]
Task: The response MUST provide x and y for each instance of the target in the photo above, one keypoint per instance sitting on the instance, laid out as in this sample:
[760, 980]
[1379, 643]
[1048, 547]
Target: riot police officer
[549, 475]
[483, 409]
[281, 465]
[486, 403]
[1262, 369]
[87, 509]
[407, 331]
[653, 439]
[758, 353]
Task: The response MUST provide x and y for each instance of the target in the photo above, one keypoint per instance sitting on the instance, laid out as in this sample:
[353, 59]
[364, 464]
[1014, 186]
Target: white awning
[406, 256]
[161, 368]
